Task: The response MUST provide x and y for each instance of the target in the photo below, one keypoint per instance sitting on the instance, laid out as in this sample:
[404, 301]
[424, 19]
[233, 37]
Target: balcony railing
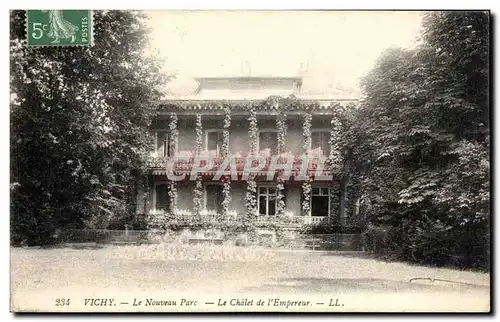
[316, 220]
[258, 220]
[185, 164]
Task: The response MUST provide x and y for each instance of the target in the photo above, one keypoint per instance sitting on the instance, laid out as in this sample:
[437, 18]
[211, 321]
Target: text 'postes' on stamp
[59, 27]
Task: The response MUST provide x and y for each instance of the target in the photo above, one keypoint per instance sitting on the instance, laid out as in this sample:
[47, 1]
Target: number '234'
[38, 29]
[62, 302]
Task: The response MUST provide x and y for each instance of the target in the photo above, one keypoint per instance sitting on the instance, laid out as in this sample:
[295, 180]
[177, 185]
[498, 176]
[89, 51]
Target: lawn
[214, 274]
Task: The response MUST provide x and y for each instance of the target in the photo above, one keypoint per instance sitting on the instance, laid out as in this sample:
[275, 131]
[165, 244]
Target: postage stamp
[59, 27]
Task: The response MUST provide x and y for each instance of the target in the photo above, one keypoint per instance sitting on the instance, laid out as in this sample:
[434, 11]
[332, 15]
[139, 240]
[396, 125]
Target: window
[163, 145]
[162, 199]
[267, 201]
[319, 139]
[324, 201]
[214, 197]
[214, 141]
[268, 140]
[320, 202]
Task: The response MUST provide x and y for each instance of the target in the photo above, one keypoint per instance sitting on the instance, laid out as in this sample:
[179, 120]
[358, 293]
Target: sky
[330, 47]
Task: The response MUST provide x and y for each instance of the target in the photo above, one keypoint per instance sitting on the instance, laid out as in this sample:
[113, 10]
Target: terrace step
[343, 242]
[197, 241]
[124, 242]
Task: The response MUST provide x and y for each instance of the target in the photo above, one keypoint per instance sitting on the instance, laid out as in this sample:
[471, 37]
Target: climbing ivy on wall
[335, 156]
[198, 189]
[174, 136]
[272, 103]
[306, 185]
[251, 193]
[226, 190]
[280, 182]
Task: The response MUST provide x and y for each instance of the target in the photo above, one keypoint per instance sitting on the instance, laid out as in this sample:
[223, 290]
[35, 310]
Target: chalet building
[194, 124]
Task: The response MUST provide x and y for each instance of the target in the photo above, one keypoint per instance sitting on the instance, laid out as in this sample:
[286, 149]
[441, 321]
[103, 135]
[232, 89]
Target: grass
[38, 276]
[183, 252]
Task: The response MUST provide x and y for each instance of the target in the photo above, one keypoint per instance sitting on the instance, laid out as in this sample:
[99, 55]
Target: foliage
[79, 126]
[335, 157]
[174, 138]
[226, 190]
[422, 141]
[271, 103]
[180, 219]
[253, 134]
[225, 132]
[198, 189]
[173, 132]
[226, 193]
[280, 187]
[251, 191]
[306, 145]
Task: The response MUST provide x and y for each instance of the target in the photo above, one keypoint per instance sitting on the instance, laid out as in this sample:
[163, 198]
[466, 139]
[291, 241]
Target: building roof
[296, 78]
[236, 88]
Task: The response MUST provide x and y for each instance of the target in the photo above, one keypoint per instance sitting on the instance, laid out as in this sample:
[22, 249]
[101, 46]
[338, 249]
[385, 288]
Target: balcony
[259, 221]
[209, 219]
[209, 165]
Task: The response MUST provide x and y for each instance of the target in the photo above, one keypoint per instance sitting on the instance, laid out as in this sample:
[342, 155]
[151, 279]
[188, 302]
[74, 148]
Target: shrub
[330, 229]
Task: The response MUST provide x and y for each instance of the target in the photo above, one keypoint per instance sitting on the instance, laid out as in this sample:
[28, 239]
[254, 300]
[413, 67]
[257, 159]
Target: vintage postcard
[249, 161]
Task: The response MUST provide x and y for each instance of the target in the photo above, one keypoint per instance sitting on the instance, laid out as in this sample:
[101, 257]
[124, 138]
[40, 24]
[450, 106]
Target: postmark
[59, 27]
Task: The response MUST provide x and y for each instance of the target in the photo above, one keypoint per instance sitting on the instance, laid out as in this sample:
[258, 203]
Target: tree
[424, 129]
[79, 126]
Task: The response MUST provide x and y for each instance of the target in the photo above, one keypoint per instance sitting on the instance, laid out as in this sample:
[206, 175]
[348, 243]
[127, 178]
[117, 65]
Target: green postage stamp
[59, 27]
